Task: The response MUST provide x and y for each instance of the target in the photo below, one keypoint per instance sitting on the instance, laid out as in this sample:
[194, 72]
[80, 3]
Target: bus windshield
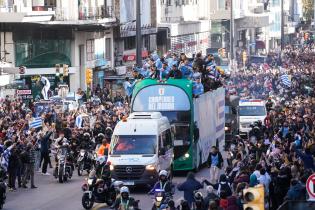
[134, 145]
[252, 111]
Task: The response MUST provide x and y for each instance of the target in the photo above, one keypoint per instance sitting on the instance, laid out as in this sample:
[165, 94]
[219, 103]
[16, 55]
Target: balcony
[18, 14]
[96, 13]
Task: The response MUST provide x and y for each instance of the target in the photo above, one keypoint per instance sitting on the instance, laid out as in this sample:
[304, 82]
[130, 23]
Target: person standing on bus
[215, 163]
[175, 73]
[197, 85]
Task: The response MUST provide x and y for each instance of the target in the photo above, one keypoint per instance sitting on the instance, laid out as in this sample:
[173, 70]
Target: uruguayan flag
[285, 80]
[36, 123]
[78, 121]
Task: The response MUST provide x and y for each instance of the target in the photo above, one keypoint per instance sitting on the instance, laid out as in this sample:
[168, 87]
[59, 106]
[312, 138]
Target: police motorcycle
[86, 156]
[64, 168]
[3, 187]
[124, 201]
[163, 191]
[99, 187]
[85, 161]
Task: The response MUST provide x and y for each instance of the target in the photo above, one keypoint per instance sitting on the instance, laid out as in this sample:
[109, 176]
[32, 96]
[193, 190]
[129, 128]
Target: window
[130, 43]
[169, 2]
[108, 48]
[252, 111]
[90, 55]
[133, 145]
[166, 139]
[221, 4]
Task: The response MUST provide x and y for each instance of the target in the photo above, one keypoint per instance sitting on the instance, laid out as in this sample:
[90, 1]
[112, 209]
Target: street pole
[138, 34]
[282, 26]
[231, 36]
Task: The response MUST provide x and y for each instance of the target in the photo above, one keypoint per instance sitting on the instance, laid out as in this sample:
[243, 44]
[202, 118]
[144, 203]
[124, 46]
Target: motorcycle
[85, 161]
[3, 187]
[100, 188]
[64, 168]
[161, 200]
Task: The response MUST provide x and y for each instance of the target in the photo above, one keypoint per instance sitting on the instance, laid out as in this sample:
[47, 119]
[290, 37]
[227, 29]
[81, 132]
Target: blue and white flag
[285, 80]
[36, 123]
[79, 121]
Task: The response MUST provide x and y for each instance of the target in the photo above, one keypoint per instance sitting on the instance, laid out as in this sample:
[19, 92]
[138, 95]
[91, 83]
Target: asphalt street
[51, 195]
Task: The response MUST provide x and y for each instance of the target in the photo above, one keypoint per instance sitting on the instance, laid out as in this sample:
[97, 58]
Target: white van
[250, 111]
[141, 146]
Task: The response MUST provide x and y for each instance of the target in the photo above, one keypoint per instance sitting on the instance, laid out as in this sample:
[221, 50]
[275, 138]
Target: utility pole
[231, 35]
[282, 26]
[138, 34]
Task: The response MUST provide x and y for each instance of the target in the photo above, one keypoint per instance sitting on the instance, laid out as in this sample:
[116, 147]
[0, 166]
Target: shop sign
[23, 92]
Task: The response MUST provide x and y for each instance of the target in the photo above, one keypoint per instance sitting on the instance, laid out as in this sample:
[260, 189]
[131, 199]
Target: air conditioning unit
[145, 115]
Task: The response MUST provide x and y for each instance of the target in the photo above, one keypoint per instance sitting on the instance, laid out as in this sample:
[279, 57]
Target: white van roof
[145, 115]
[142, 123]
[251, 102]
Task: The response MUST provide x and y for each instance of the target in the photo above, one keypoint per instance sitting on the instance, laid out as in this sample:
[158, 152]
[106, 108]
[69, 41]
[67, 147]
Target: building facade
[44, 33]
[183, 26]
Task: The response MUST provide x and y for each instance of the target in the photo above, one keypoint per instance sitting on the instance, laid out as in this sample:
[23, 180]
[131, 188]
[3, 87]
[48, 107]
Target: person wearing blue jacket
[307, 158]
[197, 86]
[189, 186]
[296, 191]
[164, 71]
[186, 69]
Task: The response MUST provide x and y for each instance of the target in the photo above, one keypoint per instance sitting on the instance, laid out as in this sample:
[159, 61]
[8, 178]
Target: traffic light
[22, 69]
[254, 198]
[57, 69]
[244, 57]
[65, 70]
[88, 76]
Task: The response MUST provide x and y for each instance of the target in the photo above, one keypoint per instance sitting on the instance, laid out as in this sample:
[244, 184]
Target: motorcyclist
[163, 184]
[99, 138]
[85, 142]
[124, 201]
[102, 170]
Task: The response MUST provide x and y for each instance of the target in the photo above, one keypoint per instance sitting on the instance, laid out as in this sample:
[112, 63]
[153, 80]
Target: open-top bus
[197, 123]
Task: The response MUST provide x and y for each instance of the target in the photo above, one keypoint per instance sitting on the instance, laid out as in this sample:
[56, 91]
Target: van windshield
[252, 111]
[133, 145]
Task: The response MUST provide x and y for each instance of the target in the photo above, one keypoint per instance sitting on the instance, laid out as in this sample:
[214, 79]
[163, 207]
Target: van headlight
[150, 167]
[111, 167]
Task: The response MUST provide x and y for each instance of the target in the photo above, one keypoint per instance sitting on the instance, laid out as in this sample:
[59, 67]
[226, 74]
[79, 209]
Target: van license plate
[129, 183]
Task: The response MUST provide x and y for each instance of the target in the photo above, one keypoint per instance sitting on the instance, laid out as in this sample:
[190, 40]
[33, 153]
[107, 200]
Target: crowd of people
[278, 153]
[27, 142]
[203, 71]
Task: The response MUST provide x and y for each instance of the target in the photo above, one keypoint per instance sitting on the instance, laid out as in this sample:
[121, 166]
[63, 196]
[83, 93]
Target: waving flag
[285, 80]
[78, 121]
[36, 123]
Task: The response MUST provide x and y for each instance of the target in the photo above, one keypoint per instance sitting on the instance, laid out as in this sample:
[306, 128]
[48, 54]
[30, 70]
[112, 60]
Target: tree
[308, 9]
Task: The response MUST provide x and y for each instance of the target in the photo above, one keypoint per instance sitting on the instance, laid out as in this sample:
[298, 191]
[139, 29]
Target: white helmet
[124, 189]
[163, 173]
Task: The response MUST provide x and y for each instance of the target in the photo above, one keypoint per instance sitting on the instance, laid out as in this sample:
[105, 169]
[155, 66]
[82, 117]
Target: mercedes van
[141, 146]
[250, 111]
